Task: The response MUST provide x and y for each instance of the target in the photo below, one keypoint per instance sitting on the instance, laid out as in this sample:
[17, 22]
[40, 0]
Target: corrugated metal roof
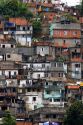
[72, 26]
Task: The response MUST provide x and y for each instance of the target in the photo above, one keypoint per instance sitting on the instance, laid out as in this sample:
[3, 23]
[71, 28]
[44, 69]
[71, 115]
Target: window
[23, 35]
[65, 32]
[24, 28]
[11, 46]
[28, 28]
[28, 90]
[54, 116]
[43, 65]
[59, 64]
[46, 74]
[48, 92]
[77, 65]
[46, 83]
[56, 100]
[55, 64]
[60, 74]
[15, 73]
[42, 49]
[74, 33]
[76, 72]
[8, 56]
[64, 41]
[50, 100]
[38, 75]
[56, 32]
[34, 98]
[3, 46]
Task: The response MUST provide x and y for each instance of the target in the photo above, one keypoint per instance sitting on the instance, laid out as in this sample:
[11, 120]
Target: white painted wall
[1, 57]
[57, 103]
[22, 83]
[35, 75]
[43, 50]
[14, 57]
[74, 69]
[7, 45]
[6, 72]
[40, 66]
[12, 82]
[23, 40]
[29, 99]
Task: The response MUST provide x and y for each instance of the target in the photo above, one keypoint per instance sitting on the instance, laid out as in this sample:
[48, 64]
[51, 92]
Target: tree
[8, 119]
[36, 27]
[74, 115]
[81, 8]
[70, 18]
[14, 8]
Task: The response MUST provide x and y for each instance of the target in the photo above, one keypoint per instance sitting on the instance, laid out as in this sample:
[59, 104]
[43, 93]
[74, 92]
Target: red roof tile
[18, 21]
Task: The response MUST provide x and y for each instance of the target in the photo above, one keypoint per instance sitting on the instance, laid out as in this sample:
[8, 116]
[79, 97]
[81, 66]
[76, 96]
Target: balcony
[21, 115]
[4, 103]
[11, 94]
[23, 32]
[54, 87]
[11, 77]
[76, 59]
[2, 94]
[46, 110]
[12, 84]
[48, 119]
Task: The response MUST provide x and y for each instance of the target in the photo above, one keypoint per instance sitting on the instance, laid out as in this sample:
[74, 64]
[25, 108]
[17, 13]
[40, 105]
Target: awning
[81, 84]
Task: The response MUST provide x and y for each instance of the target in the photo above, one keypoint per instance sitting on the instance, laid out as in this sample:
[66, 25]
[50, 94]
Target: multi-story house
[19, 29]
[72, 92]
[75, 61]
[65, 33]
[43, 48]
[8, 89]
[54, 93]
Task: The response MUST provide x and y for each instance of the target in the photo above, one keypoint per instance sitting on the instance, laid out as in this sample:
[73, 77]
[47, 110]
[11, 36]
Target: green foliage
[70, 18]
[8, 119]
[36, 27]
[74, 115]
[81, 8]
[14, 8]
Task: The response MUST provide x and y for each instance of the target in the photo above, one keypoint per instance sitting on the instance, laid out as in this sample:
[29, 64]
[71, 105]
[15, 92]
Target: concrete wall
[7, 45]
[23, 40]
[43, 50]
[76, 72]
[13, 57]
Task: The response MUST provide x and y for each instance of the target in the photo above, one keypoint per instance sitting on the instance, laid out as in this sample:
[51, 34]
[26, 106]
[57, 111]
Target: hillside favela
[41, 62]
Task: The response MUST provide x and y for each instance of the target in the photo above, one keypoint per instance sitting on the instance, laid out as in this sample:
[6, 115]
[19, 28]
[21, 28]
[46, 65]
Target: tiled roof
[42, 43]
[18, 21]
[47, 5]
[63, 45]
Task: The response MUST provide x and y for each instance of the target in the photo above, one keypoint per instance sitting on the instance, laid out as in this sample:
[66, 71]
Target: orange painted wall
[81, 20]
[23, 123]
[70, 34]
[49, 15]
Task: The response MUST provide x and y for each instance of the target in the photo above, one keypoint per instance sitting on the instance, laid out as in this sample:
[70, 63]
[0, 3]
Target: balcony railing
[48, 119]
[46, 110]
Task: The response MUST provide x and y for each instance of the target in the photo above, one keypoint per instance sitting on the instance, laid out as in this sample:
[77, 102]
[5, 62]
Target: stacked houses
[40, 78]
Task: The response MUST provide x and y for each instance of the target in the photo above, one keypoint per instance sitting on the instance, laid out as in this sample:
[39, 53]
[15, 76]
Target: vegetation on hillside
[74, 115]
[8, 119]
[36, 27]
[14, 8]
[81, 8]
[70, 18]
